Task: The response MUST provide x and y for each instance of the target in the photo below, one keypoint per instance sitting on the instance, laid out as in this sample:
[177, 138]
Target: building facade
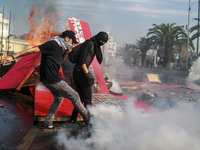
[9, 44]
[109, 50]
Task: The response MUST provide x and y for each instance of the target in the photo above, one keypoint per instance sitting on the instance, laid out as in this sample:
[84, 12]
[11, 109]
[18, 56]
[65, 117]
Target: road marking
[28, 139]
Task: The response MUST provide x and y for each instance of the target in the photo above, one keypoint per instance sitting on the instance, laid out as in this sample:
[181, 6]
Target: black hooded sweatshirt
[90, 48]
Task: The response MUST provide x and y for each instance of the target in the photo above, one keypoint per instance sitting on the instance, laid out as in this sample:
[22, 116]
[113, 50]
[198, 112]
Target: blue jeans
[60, 91]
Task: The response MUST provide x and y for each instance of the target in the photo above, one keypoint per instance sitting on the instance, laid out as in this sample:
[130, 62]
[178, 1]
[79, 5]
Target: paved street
[19, 132]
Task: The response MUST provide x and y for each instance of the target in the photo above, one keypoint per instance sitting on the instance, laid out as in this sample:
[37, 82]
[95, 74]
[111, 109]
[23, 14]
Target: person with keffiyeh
[54, 52]
[82, 77]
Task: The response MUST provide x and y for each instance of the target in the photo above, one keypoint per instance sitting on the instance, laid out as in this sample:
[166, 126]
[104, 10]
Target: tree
[196, 35]
[143, 44]
[168, 36]
[135, 53]
[124, 52]
[195, 28]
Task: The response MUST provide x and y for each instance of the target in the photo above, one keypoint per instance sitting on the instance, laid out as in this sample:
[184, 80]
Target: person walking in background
[82, 77]
[54, 52]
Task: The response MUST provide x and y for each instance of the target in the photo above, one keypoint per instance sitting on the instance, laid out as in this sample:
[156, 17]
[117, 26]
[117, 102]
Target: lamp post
[2, 33]
[188, 38]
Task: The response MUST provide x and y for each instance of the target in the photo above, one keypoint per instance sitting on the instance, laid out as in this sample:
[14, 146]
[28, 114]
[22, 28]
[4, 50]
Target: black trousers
[84, 90]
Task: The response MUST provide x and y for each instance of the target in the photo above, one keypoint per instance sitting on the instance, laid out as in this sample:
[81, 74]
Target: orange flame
[41, 33]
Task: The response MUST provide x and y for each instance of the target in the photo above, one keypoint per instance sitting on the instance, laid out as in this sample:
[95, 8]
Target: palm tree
[124, 52]
[143, 44]
[135, 53]
[195, 28]
[168, 36]
[196, 35]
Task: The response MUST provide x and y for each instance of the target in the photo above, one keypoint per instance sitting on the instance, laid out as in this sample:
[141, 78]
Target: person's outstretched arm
[8, 59]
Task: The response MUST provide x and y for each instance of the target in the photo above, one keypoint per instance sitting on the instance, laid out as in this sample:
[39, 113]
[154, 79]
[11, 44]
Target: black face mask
[103, 36]
[97, 48]
[99, 42]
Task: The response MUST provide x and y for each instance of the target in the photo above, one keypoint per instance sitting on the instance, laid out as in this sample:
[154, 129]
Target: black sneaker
[87, 120]
[49, 127]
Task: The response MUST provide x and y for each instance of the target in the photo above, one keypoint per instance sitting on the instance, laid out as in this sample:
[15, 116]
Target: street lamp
[188, 38]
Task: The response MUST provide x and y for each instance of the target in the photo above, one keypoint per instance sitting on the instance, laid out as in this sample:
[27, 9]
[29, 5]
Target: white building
[10, 44]
[109, 50]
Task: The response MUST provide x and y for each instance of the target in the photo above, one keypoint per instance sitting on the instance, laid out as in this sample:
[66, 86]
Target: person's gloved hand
[89, 78]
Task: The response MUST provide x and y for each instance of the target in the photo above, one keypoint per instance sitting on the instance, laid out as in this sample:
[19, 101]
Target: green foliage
[196, 35]
[126, 52]
[143, 44]
[168, 36]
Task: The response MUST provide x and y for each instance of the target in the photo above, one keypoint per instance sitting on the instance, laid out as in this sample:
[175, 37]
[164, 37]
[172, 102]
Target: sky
[125, 20]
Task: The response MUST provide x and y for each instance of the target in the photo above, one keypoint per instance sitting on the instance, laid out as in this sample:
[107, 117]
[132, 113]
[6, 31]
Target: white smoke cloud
[113, 129]
[194, 75]
[115, 87]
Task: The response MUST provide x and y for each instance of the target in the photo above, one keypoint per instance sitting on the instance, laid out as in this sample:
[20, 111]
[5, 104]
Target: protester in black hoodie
[83, 78]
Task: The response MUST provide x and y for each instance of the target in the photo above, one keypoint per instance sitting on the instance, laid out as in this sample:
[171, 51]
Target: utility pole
[9, 32]
[2, 32]
[188, 28]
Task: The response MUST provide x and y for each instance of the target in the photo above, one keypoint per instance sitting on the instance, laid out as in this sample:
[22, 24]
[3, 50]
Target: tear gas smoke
[113, 129]
[193, 79]
[120, 71]
[116, 87]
